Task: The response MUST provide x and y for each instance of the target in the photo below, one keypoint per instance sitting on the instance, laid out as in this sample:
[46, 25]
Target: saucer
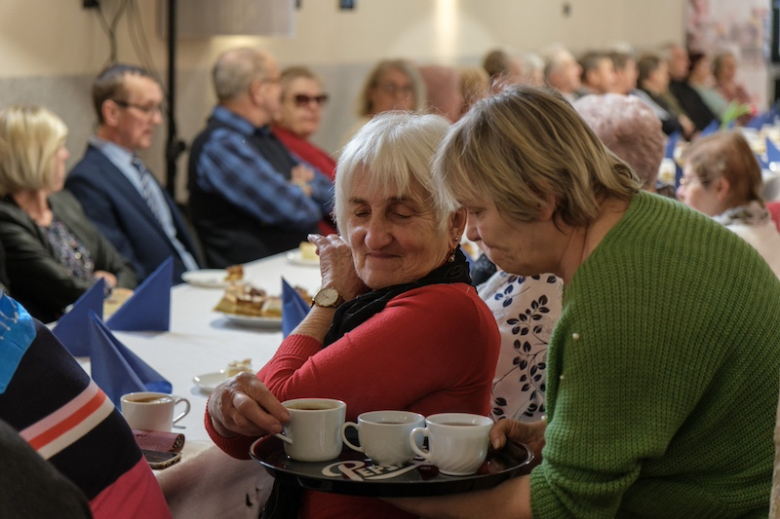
[206, 278]
[210, 381]
[296, 258]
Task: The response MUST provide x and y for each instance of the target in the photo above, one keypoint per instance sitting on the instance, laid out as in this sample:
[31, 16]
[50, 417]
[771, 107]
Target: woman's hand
[107, 276]
[531, 434]
[337, 267]
[243, 405]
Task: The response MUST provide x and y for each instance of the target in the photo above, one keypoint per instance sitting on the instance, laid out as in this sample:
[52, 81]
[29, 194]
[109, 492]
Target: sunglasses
[304, 100]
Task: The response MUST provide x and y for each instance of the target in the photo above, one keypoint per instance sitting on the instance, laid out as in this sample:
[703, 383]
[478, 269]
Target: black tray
[354, 474]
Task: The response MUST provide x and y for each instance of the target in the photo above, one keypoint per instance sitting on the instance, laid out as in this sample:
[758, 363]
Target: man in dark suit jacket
[119, 195]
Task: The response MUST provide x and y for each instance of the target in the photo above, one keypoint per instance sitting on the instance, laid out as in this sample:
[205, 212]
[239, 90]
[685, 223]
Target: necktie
[147, 187]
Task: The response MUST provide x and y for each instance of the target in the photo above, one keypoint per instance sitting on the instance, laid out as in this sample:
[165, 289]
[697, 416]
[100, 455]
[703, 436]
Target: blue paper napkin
[294, 308]
[758, 121]
[116, 369]
[772, 153]
[671, 144]
[149, 309]
[711, 128]
[72, 329]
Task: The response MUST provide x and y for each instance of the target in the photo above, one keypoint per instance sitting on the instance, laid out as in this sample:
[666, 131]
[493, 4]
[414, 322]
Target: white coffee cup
[313, 432]
[457, 442]
[152, 411]
[384, 436]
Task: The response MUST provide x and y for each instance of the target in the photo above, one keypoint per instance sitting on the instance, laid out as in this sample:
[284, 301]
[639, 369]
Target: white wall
[51, 49]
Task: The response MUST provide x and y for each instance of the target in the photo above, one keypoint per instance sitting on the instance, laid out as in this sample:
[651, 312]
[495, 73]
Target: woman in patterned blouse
[53, 253]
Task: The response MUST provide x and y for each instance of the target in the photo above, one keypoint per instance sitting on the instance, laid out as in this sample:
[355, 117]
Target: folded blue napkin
[711, 128]
[149, 309]
[772, 153]
[671, 144]
[116, 369]
[758, 121]
[294, 308]
[72, 328]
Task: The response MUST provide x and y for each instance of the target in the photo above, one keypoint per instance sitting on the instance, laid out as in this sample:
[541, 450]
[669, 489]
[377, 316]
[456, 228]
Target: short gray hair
[394, 150]
[629, 128]
[235, 70]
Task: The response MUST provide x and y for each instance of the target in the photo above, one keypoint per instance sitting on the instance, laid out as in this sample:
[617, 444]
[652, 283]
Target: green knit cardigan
[663, 375]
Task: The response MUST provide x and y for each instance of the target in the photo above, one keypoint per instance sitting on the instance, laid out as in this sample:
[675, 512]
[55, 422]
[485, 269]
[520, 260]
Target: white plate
[210, 381]
[295, 257]
[206, 278]
[250, 320]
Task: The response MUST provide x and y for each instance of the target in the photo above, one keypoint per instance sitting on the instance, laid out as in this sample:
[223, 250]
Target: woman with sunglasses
[299, 118]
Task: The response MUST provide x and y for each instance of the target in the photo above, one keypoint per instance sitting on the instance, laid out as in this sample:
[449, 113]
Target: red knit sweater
[431, 350]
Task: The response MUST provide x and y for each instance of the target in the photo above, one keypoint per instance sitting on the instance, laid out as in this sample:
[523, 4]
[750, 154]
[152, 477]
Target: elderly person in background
[653, 83]
[562, 72]
[299, 118]
[625, 72]
[393, 84]
[444, 95]
[303, 98]
[724, 69]
[403, 328]
[630, 129]
[686, 95]
[502, 68]
[533, 69]
[474, 85]
[722, 179]
[53, 252]
[641, 398]
[700, 78]
[598, 72]
[116, 189]
[249, 196]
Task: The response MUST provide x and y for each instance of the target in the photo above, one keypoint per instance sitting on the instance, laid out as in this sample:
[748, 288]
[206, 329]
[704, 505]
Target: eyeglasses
[394, 89]
[146, 110]
[302, 100]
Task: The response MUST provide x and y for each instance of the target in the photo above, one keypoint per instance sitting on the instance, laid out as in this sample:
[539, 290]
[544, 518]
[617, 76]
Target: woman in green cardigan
[663, 368]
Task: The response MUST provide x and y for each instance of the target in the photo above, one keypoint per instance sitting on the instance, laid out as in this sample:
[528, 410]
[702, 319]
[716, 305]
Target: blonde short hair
[30, 137]
[395, 151]
[525, 144]
[405, 66]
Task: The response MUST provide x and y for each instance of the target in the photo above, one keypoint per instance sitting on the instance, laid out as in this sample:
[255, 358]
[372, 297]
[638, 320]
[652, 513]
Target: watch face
[327, 297]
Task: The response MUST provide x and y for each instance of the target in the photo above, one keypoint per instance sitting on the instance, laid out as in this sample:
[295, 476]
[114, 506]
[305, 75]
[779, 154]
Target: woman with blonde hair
[668, 329]
[53, 252]
[722, 179]
[392, 85]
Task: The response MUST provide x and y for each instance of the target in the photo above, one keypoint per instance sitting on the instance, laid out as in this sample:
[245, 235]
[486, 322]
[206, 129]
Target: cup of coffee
[152, 411]
[457, 442]
[313, 432]
[384, 436]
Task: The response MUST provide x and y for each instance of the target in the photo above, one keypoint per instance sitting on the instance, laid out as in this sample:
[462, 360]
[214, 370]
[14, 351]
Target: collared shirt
[123, 159]
[239, 172]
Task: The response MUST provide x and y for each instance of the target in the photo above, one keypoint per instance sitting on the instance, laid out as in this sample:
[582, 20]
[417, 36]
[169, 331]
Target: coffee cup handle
[415, 448]
[186, 408]
[284, 438]
[344, 436]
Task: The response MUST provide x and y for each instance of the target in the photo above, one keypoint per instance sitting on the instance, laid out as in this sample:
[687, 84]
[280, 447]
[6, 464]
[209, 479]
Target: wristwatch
[327, 298]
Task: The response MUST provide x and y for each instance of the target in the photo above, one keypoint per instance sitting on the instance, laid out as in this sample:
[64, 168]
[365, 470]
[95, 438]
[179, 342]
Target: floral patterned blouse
[526, 310]
[71, 253]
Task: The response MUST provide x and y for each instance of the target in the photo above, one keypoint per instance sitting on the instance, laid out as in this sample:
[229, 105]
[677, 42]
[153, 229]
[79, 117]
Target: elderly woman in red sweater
[401, 328]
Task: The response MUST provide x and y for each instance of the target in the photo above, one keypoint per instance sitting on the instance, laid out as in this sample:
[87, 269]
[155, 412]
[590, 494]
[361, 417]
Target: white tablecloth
[208, 483]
